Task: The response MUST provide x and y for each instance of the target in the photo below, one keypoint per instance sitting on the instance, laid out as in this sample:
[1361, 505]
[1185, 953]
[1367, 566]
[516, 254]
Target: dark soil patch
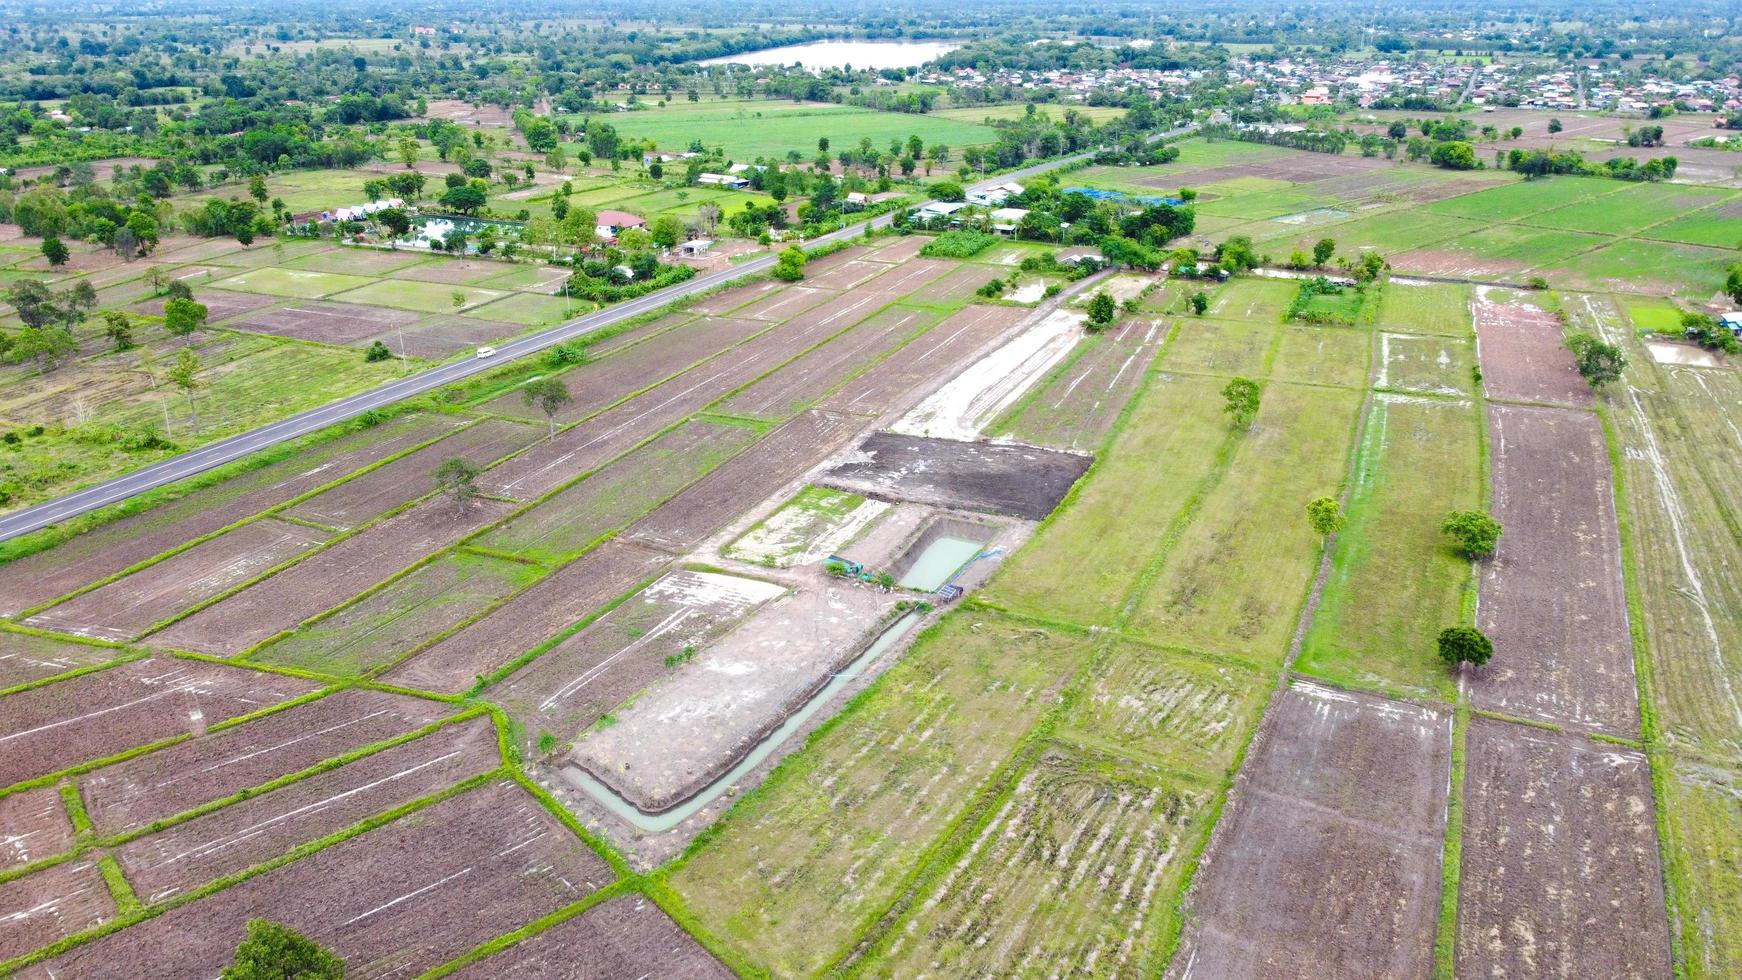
[814, 373]
[727, 300]
[220, 305]
[937, 354]
[784, 304]
[52, 904]
[1327, 861]
[625, 937]
[900, 250]
[1560, 862]
[327, 323]
[25, 658]
[36, 825]
[455, 272]
[1524, 357]
[445, 333]
[95, 715]
[1017, 481]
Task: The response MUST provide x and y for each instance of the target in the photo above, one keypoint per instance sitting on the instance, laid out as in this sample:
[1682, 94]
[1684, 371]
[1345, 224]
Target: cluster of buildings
[1073, 85]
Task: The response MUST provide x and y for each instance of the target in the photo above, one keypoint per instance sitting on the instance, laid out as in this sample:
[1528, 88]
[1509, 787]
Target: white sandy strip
[790, 537]
[971, 400]
[710, 588]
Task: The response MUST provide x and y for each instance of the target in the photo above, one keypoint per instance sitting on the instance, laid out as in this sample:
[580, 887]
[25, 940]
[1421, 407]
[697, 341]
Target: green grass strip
[75, 804]
[126, 902]
[1451, 860]
[75, 672]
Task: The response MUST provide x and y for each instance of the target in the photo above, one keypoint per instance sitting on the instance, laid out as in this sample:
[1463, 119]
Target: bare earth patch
[1016, 481]
[1523, 355]
[625, 937]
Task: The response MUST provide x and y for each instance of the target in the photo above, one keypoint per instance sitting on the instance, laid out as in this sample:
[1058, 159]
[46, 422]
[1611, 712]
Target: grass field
[1631, 209]
[1323, 355]
[769, 128]
[424, 297]
[1709, 227]
[1436, 308]
[293, 283]
[1509, 202]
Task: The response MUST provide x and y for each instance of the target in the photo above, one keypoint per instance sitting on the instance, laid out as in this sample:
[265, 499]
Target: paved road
[225, 450]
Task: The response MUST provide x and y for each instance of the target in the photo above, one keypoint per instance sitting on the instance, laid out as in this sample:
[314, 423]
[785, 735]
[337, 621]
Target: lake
[839, 54]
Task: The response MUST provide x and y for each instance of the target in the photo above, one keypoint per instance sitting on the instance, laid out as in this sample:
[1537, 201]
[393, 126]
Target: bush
[565, 354]
[377, 352]
[958, 244]
[1599, 363]
[1475, 532]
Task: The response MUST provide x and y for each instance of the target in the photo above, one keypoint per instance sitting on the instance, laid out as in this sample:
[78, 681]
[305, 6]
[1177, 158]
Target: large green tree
[274, 951]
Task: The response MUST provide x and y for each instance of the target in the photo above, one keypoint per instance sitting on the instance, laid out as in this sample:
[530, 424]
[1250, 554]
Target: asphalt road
[235, 447]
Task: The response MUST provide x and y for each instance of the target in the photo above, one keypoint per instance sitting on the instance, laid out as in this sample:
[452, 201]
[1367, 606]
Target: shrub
[958, 244]
[1599, 363]
[377, 352]
[1475, 532]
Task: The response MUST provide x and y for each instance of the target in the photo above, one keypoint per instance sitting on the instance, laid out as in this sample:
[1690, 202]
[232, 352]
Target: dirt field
[786, 303]
[52, 904]
[718, 498]
[541, 612]
[624, 937]
[103, 552]
[49, 728]
[161, 784]
[36, 825]
[25, 658]
[1077, 406]
[222, 305]
[326, 579]
[393, 902]
[971, 401]
[443, 334]
[1326, 861]
[1523, 357]
[937, 354]
[816, 372]
[237, 837]
[1016, 481]
[576, 682]
[1560, 864]
[129, 606]
[327, 323]
[1551, 597]
[380, 490]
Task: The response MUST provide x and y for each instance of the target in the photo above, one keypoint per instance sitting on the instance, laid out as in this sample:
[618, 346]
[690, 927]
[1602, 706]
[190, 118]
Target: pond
[840, 54]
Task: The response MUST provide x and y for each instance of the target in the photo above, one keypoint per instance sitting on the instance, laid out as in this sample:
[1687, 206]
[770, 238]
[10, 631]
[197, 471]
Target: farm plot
[804, 379]
[718, 498]
[575, 683]
[1432, 365]
[366, 497]
[938, 353]
[1522, 355]
[25, 657]
[1714, 226]
[436, 337]
[1395, 581]
[694, 725]
[1552, 597]
[973, 399]
[1410, 307]
[52, 904]
[386, 626]
[146, 788]
[398, 900]
[815, 523]
[36, 827]
[1520, 199]
[528, 309]
[604, 381]
[624, 937]
[899, 250]
[104, 551]
[1496, 251]
[220, 306]
[1702, 837]
[1259, 300]
[1631, 210]
[560, 528]
[562, 600]
[907, 279]
[1327, 860]
[364, 261]
[1322, 356]
[784, 304]
[1076, 407]
[95, 715]
[419, 296]
[326, 323]
[326, 579]
[1654, 268]
[262, 827]
[1234, 581]
[130, 606]
[1016, 481]
[1560, 871]
[1074, 874]
[293, 283]
[1184, 712]
[1114, 524]
[1221, 347]
[836, 826]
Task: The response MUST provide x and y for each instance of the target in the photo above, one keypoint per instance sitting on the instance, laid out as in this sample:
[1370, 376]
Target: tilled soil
[1016, 481]
[327, 323]
[1552, 598]
[220, 305]
[721, 496]
[127, 607]
[49, 728]
[440, 335]
[392, 902]
[812, 374]
[1524, 357]
[1076, 409]
[936, 355]
[541, 612]
[328, 578]
[239, 836]
[625, 937]
[1560, 872]
[101, 553]
[1326, 862]
[784, 304]
[161, 784]
[52, 904]
[35, 826]
[25, 657]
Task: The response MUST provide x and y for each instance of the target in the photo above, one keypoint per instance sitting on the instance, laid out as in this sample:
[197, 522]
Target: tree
[274, 951]
[1242, 401]
[377, 351]
[45, 345]
[55, 251]
[36, 304]
[409, 150]
[395, 220]
[457, 477]
[1465, 645]
[1599, 363]
[182, 317]
[1325, 515]
[257, 188]
[1475, 532]
[1102, 310]
[1733, 283]
[465, 199]
[1200, 302]
[667, 230]
[118, 327]
[1554, 126]
[1323, 250]
[185, 374]
[790, 266]
[550, 395]
[1454, 155]
[948, 190]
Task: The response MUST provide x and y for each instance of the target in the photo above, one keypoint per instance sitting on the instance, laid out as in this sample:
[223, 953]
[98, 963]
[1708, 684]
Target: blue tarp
[1101, 195]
